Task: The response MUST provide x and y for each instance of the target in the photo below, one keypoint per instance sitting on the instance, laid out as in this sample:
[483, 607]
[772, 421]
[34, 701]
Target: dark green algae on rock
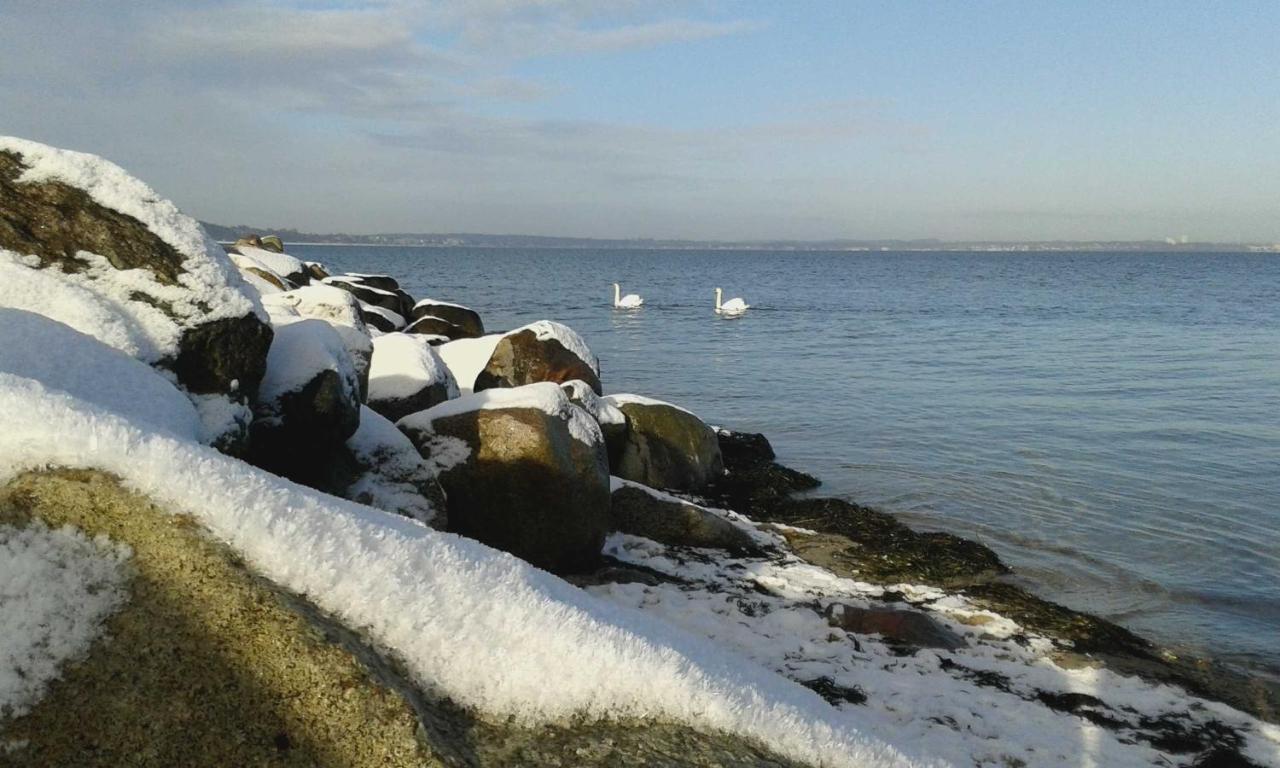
[209, 665]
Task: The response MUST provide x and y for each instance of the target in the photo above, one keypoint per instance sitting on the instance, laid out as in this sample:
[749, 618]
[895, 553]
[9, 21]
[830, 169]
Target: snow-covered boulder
[85, 243]
[436, 327]
[666, 446]
[541, 351]
[465, 319]
[380, 319]
[292, 271]
[407, 376]
[316, 271]
[524, 470]
[392, 475]
[309, 402]
[642, 511]
[337, 308]
[365, 288]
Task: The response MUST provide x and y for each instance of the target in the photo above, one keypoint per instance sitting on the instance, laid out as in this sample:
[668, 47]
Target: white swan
[630, 301]
[730, 307]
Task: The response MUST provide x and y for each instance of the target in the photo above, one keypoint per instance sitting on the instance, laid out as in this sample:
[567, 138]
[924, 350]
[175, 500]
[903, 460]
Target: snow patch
[403, 365]
[466, 358]
[57, 587]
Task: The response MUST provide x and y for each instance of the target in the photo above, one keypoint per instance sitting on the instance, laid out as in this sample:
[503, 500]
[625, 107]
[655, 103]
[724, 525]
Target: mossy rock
[667, 447]
[674, 522]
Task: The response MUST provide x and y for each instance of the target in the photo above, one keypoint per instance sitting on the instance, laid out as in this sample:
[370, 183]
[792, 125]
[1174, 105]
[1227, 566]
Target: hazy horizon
[672, 120]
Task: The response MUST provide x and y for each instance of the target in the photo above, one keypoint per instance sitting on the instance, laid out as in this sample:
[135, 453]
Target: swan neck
[717, 299]
[617, 291]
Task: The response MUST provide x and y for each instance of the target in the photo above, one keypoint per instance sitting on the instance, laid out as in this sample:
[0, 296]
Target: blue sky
[804, 120]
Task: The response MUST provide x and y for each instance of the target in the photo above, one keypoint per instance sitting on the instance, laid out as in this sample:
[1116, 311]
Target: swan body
[730, 307]
[630, 301]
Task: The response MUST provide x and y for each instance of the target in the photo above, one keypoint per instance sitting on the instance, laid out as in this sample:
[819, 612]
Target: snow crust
[544, 396]
[100, 300]
[334, 306]
[623, 399]
[396, 469]
[482, 627]
[568, 338]
[57, 587]
[393, 317]
[403, 365]
[302, 349]
[601, 410]
[438, 303]
[466, 358]
[66, 359]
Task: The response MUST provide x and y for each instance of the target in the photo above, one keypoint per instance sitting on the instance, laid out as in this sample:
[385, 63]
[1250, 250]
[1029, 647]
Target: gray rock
[898, 626]
[641, 511]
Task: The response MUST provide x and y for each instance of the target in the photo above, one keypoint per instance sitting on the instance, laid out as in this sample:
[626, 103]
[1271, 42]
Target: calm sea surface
[1109, 423]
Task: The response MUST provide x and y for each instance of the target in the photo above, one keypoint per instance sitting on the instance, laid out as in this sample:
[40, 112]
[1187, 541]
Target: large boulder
[541, 351]
[381, 319]
[339, 309]
[407, 376]
[465, 319]
[666, 446]
[524, 471]
[436, 327]
[88, 245]
[309, 402]
[642, 511]
[368, 294]
[282, 265]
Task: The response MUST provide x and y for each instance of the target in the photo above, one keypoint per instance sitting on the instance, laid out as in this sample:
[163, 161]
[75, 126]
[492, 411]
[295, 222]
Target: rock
[391, 475]
[468, 320]
[666, 446]
[86, 244]
[407, 376]
[524, 471]
[383, 320]
[429, 325]
[316, 270]
[205, 664]
[642, 511]
[541, 351]
[896, 626]
[380, 282]
[257, 276]
[281, 264]
[741, 449]
[368, 294]
[753, 480]
[612, 421]
[309, 403]
[340, 310]
[272, 243]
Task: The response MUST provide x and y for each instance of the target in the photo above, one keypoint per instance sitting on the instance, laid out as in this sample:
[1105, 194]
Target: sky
[977, 120]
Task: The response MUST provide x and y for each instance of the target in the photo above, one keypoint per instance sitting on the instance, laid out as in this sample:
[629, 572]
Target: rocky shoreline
[682, 538]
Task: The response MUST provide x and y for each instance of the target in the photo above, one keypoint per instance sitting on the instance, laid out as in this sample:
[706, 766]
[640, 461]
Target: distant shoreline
[1205, 249]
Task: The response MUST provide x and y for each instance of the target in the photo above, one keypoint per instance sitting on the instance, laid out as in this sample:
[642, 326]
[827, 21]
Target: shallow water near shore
[1108, 423]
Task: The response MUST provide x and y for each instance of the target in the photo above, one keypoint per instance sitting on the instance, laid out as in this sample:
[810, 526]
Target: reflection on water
[1110, 423]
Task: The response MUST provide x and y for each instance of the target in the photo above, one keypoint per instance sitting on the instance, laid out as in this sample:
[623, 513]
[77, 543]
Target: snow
[101, 300]
[359, 281]
[257, 282]
[397, 469]
[623, 399]
[66, 359]
[438, 303]
[403, 365]
[771, 610]
[477, 625]
[466, 358]
[544, 396]
[568, 338]
[301, 349]
[57, 587]
[603, 412]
